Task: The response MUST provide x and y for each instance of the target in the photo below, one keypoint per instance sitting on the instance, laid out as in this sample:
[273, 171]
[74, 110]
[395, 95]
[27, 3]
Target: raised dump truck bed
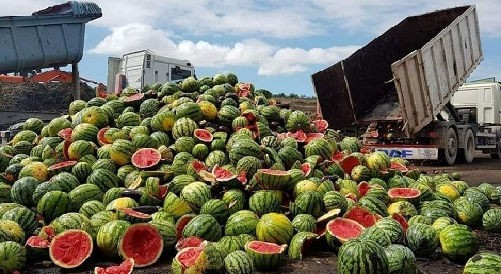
[407, 74]
[48, 38]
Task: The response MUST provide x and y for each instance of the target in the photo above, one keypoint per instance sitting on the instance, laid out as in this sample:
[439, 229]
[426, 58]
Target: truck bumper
[409, 152]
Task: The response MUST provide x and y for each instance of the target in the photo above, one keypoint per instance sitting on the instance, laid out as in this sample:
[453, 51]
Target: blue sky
[274, 44]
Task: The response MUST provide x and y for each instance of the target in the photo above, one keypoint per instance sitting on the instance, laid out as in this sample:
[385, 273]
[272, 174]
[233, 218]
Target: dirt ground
[483, 169]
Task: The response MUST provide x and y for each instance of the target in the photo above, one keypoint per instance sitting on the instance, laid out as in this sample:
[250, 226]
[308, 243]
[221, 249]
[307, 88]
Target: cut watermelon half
[398, 166]
[299, 135]
[401, 220]
[186, 260]
[363, 187]
[198, 165]
[361, 215]
[203, 135]
[312, 136]
[306, 168]
[182, 222]
[65, 133]
[273, 179]
[66, 146]
[146, 158]
[191, 241]
[251, 118]
[37, 248]
[321, 125]
[134, 216]
[266, 256]
[47, 232]
[221, 174]
[71, 248]
[343, 230]
[134, 98]
[410, 195]
[141, 242]
[125, 267]
[63, 166]
[338, 156]
[324, 219]
[349, 162]
[100, 136]
[265, 247]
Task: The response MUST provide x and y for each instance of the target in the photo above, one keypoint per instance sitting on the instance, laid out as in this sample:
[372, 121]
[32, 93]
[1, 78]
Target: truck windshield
[178, 73]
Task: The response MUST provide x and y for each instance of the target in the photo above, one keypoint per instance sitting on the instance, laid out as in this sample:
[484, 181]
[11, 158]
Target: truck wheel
[449, 153]
[497, 155]
[467, 153]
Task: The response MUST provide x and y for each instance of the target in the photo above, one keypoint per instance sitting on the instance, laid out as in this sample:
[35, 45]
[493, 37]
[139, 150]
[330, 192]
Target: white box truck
[396, 93]
[144, 67]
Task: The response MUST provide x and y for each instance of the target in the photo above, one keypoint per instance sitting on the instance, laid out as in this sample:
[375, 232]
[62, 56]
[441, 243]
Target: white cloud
[269, 59]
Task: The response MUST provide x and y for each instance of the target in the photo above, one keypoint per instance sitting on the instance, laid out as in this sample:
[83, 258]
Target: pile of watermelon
[218, 173]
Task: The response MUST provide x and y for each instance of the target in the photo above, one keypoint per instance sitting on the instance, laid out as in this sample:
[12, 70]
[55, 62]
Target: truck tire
[497, 155]
[467, 153]
[450, 152]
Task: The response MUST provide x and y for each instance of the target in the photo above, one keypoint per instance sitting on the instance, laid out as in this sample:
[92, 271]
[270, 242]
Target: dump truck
[144, 67]
[396, 93]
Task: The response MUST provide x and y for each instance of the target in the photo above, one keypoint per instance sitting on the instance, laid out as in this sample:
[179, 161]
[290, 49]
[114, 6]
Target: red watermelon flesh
[71, 248]
[133, 213]
[403, 192]
[48, 232]
[351, 196]
[266, 248]
[203, 135]
[363, 187]
[65, 133]
[242, 177]
[66, 146]
[188, 256]
[299, 135]
[134, 97]
[398, 166]
[62, 165]
[100, 136]
[222, 174]
[401, 220]
[312, 136]
[321, 124]
[125, 267]
[146, 158]
[191, 241]
[349, 162]
[361, 215]
[37, 241]
[344, 229]
[198, 165]
[182, 222]
[306, 168]
[338, 156]
[143, 243]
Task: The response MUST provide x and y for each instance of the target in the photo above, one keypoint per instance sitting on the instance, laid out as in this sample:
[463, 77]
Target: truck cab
[140, 68]
[481, 100]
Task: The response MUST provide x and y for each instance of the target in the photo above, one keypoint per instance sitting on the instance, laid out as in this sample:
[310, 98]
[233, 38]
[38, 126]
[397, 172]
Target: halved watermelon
[203, 135]
[341, 230]
[349, 162]
[363, 187]
[186, 260]
[398, 166]
[299, 135]
[266, 256]
[133, 216]
[273, 179]
[324, 219]
[191, 241]
[141, 242]
[312, 136]
[221, 174]
[401, 220]
[65, 133]
[125, 267]
[37, 248]
[182, 222]
[100, 136]
[321, 125]
[66, 146]
[62, 166]
[410, 195]
[47, 232]
[146, 158]
[134, 98]
[361, 215]
[198, 165]
[71, 248]
[307, 168]
[338, 156]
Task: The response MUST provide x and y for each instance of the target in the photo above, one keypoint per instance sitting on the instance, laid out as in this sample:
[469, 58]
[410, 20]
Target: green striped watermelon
[196, 194]
[89, 208]
[239, 262]
[217, 208]
[358, 257]
[304, 222]
[400, 259]
[458, 242]
[12, 256]
[241, 222]
[109, 235]
[204, 226]
[24, 216]
[265, 201]
[483, 263]
[274, 228]
[53, 204]
[422, 239]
